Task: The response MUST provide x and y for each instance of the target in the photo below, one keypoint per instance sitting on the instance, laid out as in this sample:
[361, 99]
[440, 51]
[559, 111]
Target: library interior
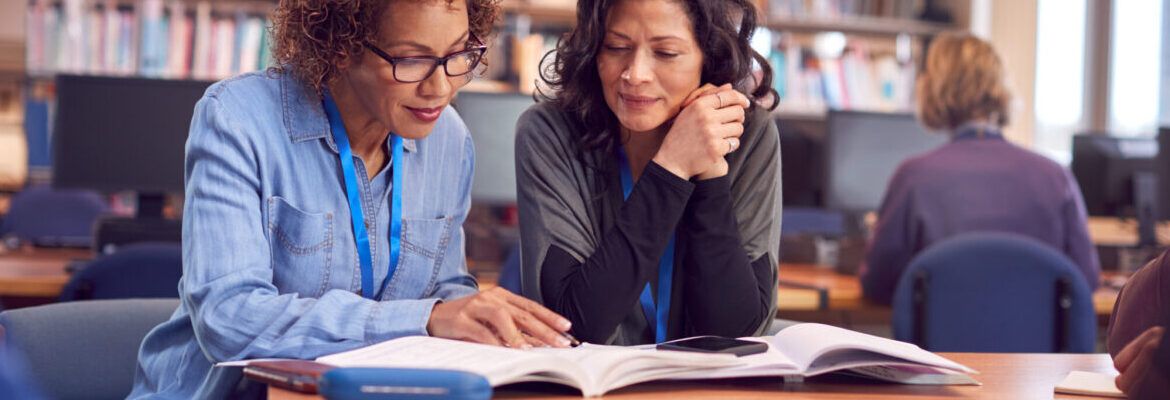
[966, 198]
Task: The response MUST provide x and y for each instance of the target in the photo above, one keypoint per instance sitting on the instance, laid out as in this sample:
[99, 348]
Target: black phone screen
[715, 344]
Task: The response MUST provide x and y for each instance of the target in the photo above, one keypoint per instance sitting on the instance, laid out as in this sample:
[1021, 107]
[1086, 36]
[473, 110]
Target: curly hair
[312, 38]
[963, 81]
[722, 31]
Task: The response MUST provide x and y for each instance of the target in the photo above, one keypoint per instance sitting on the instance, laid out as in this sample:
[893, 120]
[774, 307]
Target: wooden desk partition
[1004, 376]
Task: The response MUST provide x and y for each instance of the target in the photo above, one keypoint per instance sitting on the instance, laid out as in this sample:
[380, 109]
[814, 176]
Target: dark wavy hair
[722, 30]
[312, 38]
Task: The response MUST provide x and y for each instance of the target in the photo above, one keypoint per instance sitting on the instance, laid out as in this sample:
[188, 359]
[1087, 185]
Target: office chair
[142, 270]
[510, 270]
[84, 349]
[44, 216]
[994, 292]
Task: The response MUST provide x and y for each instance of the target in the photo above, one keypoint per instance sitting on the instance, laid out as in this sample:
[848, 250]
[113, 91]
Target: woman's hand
[707, 129]
[498, 317]
[1136, 359]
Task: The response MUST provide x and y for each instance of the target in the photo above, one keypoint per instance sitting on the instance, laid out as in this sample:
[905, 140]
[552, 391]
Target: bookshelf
[859, 25]
[562, 13]
[171, 39]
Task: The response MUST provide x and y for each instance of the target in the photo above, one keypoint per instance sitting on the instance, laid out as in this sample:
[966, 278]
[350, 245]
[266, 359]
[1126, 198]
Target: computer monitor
[862, 151]
[491, 118]
[1114, 173]
[123, 134]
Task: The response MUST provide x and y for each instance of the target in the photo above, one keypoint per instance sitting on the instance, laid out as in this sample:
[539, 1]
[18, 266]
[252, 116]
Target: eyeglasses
[418, 69]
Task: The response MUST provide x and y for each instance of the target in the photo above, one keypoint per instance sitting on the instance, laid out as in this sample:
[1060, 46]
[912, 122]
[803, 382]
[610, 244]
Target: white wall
[1013, 33]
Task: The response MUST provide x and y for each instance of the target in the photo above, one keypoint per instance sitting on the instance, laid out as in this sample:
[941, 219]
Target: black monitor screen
[116, 134]
[862, 151]
[491, 118]
[1105, 167]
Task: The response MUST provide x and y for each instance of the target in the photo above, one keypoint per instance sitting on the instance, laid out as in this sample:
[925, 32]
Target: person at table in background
[1137, 328]
[312, 185]
[977, 182]
[649, 180]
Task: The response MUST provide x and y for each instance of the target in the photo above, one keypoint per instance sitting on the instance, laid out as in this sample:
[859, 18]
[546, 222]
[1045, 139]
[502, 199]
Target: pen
[573, 342]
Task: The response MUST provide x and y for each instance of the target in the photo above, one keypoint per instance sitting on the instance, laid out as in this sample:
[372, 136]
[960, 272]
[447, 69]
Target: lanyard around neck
[655, 316]
[356, 211]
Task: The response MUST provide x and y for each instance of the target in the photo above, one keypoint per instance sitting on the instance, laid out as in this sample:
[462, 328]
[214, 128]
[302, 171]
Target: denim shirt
[270, 267]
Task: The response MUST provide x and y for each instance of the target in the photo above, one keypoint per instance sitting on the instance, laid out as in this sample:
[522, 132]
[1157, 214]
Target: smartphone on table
[715, 344]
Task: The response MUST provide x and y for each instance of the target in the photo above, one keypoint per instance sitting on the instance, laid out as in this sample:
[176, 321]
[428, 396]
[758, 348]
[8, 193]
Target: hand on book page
[593, 369]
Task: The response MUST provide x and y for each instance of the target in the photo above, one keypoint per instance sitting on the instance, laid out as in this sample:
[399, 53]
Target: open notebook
[801, 350]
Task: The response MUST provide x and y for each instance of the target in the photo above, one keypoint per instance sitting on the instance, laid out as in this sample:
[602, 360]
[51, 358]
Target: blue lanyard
[665, 267]
[360, 235]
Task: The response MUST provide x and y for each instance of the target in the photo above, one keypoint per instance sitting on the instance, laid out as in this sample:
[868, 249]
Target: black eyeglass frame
[478, 49]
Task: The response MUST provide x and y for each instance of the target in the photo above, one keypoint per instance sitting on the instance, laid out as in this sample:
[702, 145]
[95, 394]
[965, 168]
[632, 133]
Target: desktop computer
[862, 151]
[125, 134]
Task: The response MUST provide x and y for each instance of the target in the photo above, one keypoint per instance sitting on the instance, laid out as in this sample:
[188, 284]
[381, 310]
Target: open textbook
[800, 350]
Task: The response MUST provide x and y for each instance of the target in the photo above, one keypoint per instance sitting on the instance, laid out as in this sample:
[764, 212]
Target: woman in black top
[649, 183]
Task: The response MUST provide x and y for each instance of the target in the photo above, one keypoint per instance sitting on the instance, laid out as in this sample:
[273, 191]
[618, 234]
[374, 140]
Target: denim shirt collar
[304, 115]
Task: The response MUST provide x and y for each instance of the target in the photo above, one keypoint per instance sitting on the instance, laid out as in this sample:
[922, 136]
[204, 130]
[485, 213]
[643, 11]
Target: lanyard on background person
[356, 211]
[655, 316]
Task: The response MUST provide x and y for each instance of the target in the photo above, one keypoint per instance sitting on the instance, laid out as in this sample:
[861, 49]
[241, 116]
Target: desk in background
[1105, 231]
[37, 273]
[809, 287]
[1004, 376]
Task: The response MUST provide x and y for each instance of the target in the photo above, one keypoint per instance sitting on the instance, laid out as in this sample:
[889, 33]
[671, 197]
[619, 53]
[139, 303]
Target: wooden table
[38, 273]
[1004, 376]
[843, 292]
[1105, 231]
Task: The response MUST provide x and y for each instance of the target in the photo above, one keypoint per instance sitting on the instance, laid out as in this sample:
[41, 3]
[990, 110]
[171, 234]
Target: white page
[1089, 383]
[594, 369]
[804, 343]
[498, 364]
[613, 367]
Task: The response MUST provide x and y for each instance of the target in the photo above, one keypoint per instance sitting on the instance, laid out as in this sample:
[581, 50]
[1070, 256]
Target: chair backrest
[510, 270]
[141, 270]
[994, 292]
[57, 217]
[84, 349]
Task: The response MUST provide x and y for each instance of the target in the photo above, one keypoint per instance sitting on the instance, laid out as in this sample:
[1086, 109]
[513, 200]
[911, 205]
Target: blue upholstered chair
[510, 270]
[84, 349]
[994, 292]
[44, 216]
[141, 270]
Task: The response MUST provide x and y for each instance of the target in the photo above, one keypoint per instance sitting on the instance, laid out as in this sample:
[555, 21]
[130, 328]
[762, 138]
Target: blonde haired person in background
[978, 181]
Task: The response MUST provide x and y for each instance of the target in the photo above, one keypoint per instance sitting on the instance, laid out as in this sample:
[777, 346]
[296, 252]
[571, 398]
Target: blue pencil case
[402, 384]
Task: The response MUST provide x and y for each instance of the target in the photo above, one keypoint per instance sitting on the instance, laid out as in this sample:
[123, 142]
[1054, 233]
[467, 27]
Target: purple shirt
[975, 184]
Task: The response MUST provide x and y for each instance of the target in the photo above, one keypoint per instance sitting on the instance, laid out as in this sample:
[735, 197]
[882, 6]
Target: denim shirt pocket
[302, 248]
[424, 241]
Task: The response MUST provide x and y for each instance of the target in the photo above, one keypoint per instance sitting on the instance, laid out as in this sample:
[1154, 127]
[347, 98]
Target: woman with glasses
[325, 200]
[649, 181]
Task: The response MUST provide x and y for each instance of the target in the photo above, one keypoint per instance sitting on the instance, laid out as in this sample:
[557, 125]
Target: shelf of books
[174, 39]
[850, 54]
[839, 54]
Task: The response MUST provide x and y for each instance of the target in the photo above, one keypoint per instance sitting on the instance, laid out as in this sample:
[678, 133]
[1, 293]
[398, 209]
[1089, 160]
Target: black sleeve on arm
[597, 294]
[726, 294]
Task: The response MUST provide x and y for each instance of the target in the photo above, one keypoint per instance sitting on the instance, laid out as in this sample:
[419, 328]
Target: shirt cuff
[660, 174]
[397, 318]
[711, 186]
